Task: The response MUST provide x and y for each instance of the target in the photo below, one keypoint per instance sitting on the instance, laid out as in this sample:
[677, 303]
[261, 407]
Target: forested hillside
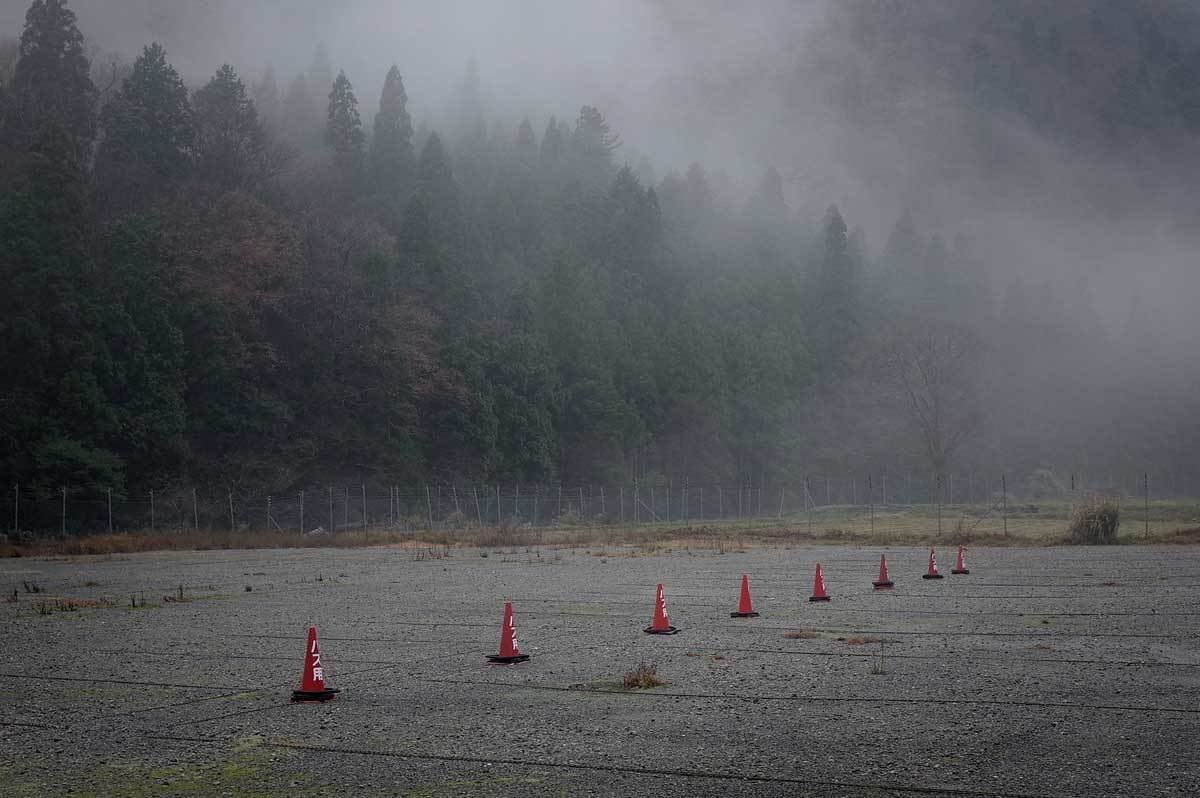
[267, 280]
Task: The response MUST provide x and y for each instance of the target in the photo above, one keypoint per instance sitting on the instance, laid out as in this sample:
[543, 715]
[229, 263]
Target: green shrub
[1095, 524]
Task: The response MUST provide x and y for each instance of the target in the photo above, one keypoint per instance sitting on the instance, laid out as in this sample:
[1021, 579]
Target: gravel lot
[1045, 672]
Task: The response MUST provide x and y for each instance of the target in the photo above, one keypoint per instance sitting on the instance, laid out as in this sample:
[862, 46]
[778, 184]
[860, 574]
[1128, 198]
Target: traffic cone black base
[496, 659]
[960, 570]
[818, 598]
[932, 576]
[743, 615]
[670, 630]
[314, 696]
[888, 585]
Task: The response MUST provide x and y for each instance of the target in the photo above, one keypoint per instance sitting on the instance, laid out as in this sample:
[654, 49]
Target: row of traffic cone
[312, 681]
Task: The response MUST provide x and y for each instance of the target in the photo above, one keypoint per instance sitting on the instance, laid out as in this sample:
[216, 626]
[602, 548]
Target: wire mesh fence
[972, 505]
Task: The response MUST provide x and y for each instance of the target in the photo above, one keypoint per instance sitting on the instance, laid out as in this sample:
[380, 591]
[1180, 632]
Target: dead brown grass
[132, 542]
[1183, 536]
[643, 677]
[802, 634]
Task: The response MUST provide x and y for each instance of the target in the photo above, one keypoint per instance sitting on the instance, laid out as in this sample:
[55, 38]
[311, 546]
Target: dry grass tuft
[858, 641]
[643, 677]
[802, 634]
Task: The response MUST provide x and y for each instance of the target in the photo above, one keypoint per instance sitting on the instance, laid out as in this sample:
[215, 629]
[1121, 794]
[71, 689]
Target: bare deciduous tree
[932, 367]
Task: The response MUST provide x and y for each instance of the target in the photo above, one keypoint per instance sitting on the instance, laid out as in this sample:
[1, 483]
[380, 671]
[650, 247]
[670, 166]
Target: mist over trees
[268, 279]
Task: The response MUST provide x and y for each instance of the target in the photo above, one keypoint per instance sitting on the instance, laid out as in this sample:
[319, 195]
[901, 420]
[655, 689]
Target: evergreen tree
[301, 124]
[391, 146]
[231, 148]
[148, 128]
[51, 83]
[526, 145]
[593, 145]
[699, 193]
[343, 127]
[553, 144]
[837, 311]
[267, 100]
[320, 76]
[768, 205]
[471, 130]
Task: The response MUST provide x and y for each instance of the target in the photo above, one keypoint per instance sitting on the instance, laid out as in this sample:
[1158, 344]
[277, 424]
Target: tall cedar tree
[526, 145]
[593, 145]
[301, 124]
[51, 83]
[837, 313]
[551, 152]
[320, 75]
[267, 100]
[148, 128]
[231, 148]
[343, 127]
[54, 349]
[391, 146]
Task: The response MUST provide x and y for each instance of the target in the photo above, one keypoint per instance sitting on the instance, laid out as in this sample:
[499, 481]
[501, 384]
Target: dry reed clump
[643, 677]
[1094, 523]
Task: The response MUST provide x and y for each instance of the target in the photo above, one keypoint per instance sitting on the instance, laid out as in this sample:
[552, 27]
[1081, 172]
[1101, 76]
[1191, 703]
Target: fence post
[364, 506]
[301, 512]
[268, 513]
[152, 524]
[64, 511]
[478, 512]
[499, 516]
[109, 490]
[808, 503]
[938, 482]
[621, 501]
[195, 512]
[428, 506]
[232, 520]
[1146, 494]
[332, 528]
[16, 508]
[871, 499]
[603, 509]
[1004, 488]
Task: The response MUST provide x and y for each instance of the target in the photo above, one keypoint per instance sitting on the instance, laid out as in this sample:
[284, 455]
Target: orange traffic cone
[312, 682]
[960, 564]
[932, 573]
[509, 652]
[883, 582]
[745, 608]
[819, 593]
[661, 625]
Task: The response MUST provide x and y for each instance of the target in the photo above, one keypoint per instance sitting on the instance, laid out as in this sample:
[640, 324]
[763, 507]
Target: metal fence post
[1004, 488]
